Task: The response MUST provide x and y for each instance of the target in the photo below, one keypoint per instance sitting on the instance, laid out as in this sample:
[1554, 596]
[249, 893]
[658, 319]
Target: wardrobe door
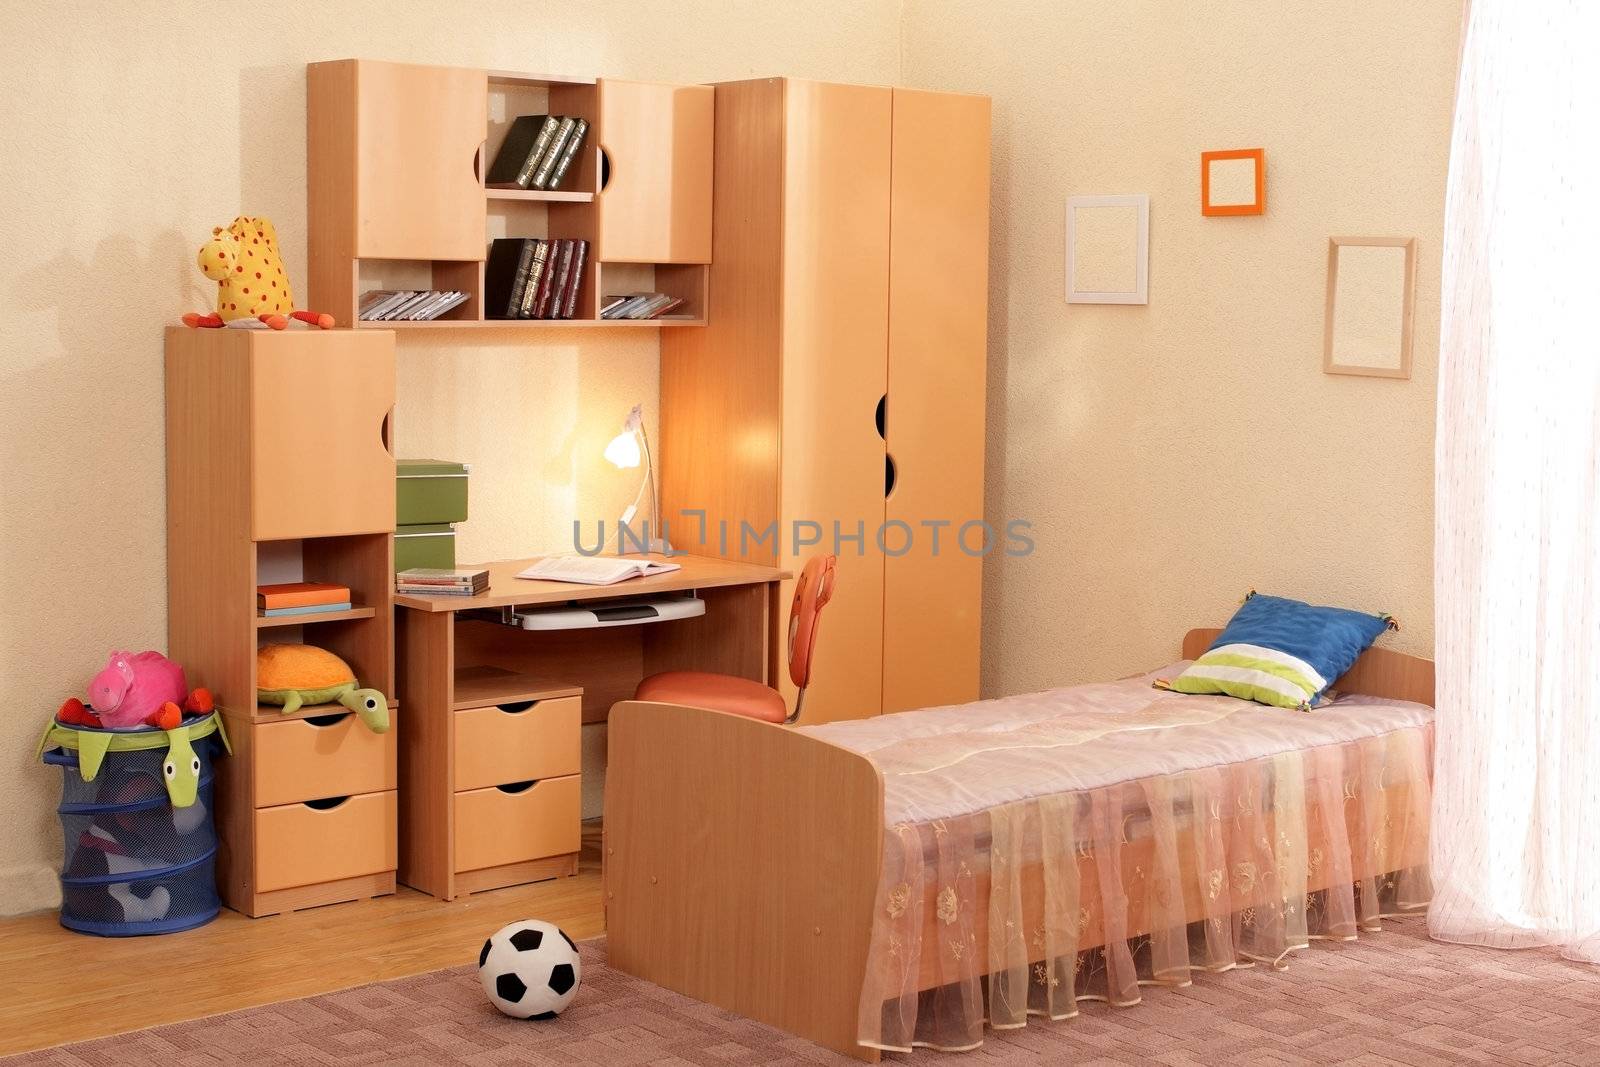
[418, 131]
[934, 419]
[834, 352]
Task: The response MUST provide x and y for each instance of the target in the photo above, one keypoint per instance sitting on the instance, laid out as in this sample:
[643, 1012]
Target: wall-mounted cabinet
[396, 158]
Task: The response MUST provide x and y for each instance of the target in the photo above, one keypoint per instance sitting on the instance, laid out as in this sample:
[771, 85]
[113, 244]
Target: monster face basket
[136, 814]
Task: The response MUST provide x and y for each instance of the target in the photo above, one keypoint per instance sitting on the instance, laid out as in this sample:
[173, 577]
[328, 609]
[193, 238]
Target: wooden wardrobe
[841, 377]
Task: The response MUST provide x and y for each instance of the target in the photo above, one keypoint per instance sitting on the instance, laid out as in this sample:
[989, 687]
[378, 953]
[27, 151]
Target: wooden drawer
[297, 844]
[326, 756]
[331, 474]
[496, 827]
[517, 742]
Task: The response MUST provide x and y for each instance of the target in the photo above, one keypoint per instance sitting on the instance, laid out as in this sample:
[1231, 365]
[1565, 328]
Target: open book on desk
[593, 570]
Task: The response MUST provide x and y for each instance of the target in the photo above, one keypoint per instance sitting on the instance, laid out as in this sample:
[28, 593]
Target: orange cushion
[720, 692]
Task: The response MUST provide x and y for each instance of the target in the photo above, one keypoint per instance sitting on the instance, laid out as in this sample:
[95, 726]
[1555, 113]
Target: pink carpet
[1392, 998]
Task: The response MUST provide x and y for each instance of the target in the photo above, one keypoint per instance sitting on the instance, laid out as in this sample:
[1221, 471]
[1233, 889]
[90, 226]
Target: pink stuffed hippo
[137, 689]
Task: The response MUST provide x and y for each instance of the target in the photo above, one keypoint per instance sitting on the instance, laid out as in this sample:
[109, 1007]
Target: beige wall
[1128, 435]
[1174, 456]
[125, 138]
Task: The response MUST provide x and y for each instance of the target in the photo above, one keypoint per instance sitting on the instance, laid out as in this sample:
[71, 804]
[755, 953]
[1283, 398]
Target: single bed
[910, 879]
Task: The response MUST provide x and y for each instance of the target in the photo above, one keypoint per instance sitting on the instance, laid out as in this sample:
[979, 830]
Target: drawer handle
[518, 787]
[517, 708]
[322, 722]
[326, 803]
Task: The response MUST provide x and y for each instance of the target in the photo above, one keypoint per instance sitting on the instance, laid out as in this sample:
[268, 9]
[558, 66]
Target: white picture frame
[1113, 264]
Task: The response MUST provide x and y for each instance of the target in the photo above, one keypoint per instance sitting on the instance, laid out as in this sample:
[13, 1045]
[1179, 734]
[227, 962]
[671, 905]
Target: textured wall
[128, 134]
[1170, 456]
[1176, 455]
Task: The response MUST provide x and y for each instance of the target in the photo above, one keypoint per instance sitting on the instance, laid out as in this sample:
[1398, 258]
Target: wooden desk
[453, 670]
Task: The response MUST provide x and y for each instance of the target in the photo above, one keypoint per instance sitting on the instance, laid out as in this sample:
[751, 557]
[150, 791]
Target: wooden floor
[57, 986]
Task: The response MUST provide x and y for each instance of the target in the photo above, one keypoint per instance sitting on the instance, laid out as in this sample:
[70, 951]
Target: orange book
[300, 595]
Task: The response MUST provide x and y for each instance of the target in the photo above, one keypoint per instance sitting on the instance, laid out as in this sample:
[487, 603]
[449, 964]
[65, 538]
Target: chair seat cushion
[719, 692]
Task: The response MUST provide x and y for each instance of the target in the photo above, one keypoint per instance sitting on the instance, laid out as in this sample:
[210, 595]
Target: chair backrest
[811, 594]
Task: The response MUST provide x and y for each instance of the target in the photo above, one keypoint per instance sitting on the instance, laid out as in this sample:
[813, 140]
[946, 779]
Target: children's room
[693, 531]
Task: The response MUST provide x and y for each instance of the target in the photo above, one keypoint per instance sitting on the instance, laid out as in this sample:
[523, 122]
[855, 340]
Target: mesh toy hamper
[138, 859]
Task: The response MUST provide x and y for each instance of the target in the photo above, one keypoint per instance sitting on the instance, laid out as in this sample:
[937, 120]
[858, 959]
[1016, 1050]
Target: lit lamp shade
[623, 451]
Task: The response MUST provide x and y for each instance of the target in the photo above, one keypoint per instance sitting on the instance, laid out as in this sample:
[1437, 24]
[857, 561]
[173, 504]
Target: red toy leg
[316, 318]
[276, 322]
[212, 321]
[169, 717]
[74, 713]
[200, 702]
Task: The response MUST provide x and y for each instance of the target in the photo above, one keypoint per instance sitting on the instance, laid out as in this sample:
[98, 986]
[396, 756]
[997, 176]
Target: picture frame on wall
[1108, 249]
[1367, 323]
[1233, 182]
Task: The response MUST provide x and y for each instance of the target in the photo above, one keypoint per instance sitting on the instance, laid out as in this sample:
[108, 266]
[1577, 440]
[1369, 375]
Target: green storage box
[430, 491]
[424, 545]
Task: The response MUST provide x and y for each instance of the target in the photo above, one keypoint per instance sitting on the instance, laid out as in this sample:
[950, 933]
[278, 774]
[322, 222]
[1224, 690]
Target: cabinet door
[418, 131]
[938, 310]
[655, 205]
[834, 348]
[319, 434]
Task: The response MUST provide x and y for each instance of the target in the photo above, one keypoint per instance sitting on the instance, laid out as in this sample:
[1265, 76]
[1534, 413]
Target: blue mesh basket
[135, 863]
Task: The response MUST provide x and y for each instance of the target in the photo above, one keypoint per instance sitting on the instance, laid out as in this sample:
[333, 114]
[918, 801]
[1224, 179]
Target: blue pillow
[1281, 652]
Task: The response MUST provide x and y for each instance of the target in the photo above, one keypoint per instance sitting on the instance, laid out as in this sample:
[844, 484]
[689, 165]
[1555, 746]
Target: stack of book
[440, 581]
[530, 278]
[537, 152]
[638, 306]
[301, 598]
[415, 305]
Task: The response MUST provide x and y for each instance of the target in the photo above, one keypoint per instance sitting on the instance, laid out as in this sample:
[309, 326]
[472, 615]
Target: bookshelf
[307, 804]
[396, 156]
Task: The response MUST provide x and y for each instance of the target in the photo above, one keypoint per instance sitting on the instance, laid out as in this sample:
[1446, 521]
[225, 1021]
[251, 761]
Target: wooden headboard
[1379, 672]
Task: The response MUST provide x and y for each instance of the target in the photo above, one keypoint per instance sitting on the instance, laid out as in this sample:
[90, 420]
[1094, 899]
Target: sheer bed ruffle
[1027, 908]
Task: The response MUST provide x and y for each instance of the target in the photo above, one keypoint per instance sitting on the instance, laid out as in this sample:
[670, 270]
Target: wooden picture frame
[1114, 265]
[1256, 206]
[1336, 357]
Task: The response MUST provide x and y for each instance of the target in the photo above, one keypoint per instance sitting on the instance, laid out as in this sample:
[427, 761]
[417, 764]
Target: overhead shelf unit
[396, 155]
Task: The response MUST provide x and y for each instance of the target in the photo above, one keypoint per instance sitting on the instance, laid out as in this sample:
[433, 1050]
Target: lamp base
[656, 546]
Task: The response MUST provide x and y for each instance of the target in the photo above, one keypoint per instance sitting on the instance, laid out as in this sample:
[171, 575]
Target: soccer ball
[529, 970]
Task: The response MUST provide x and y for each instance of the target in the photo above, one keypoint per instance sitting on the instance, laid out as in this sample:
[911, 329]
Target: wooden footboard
[741, 866]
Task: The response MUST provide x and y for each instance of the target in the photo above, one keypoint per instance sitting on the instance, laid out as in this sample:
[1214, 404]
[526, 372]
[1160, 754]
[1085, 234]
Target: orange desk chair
[741, 696]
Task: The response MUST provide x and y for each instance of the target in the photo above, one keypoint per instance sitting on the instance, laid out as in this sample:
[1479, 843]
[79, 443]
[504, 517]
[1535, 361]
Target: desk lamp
[624, 453]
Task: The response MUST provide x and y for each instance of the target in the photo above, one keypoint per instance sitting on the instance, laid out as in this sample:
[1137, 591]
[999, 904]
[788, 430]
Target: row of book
[638, 305]
[412, 305]
[532, 278]
[301, 598]
[537, 152]
[442, 581]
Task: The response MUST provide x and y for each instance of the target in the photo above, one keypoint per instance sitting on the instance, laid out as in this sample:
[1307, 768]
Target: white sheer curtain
[1516, 828]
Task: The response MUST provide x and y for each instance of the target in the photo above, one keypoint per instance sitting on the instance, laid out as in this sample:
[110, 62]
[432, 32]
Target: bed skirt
[1027, 908]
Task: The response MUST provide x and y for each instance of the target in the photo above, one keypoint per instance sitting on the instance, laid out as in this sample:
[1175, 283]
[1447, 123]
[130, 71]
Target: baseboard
[31, 887]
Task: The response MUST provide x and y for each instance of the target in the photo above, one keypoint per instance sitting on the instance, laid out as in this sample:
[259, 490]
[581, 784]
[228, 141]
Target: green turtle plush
[296, 675]
[181, 768]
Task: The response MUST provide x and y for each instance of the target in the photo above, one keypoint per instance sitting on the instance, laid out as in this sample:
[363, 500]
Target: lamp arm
[655, 490]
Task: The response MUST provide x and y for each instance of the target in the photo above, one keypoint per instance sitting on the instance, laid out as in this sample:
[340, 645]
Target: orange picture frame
[1258, 207]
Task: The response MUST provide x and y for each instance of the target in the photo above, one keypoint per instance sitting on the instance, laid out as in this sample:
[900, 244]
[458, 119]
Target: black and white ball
[529, 970]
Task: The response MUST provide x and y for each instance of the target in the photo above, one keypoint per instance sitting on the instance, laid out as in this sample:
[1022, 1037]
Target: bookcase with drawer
[280, 467]
[491, 789]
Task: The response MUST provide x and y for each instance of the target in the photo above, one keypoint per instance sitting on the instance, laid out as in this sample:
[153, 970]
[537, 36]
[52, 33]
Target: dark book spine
[500, 275]
[569, 152]
[547, 162]
[580, 252]
[552, 288]
[530, 293]
[541, 301]
[541, 145]
[558, 285]
[520, 286]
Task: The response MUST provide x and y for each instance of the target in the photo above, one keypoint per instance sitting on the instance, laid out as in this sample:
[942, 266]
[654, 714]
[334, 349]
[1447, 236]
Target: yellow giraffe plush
[252, 286]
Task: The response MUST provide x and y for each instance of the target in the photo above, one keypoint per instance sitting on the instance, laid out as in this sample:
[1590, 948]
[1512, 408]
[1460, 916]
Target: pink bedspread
[963, 758]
